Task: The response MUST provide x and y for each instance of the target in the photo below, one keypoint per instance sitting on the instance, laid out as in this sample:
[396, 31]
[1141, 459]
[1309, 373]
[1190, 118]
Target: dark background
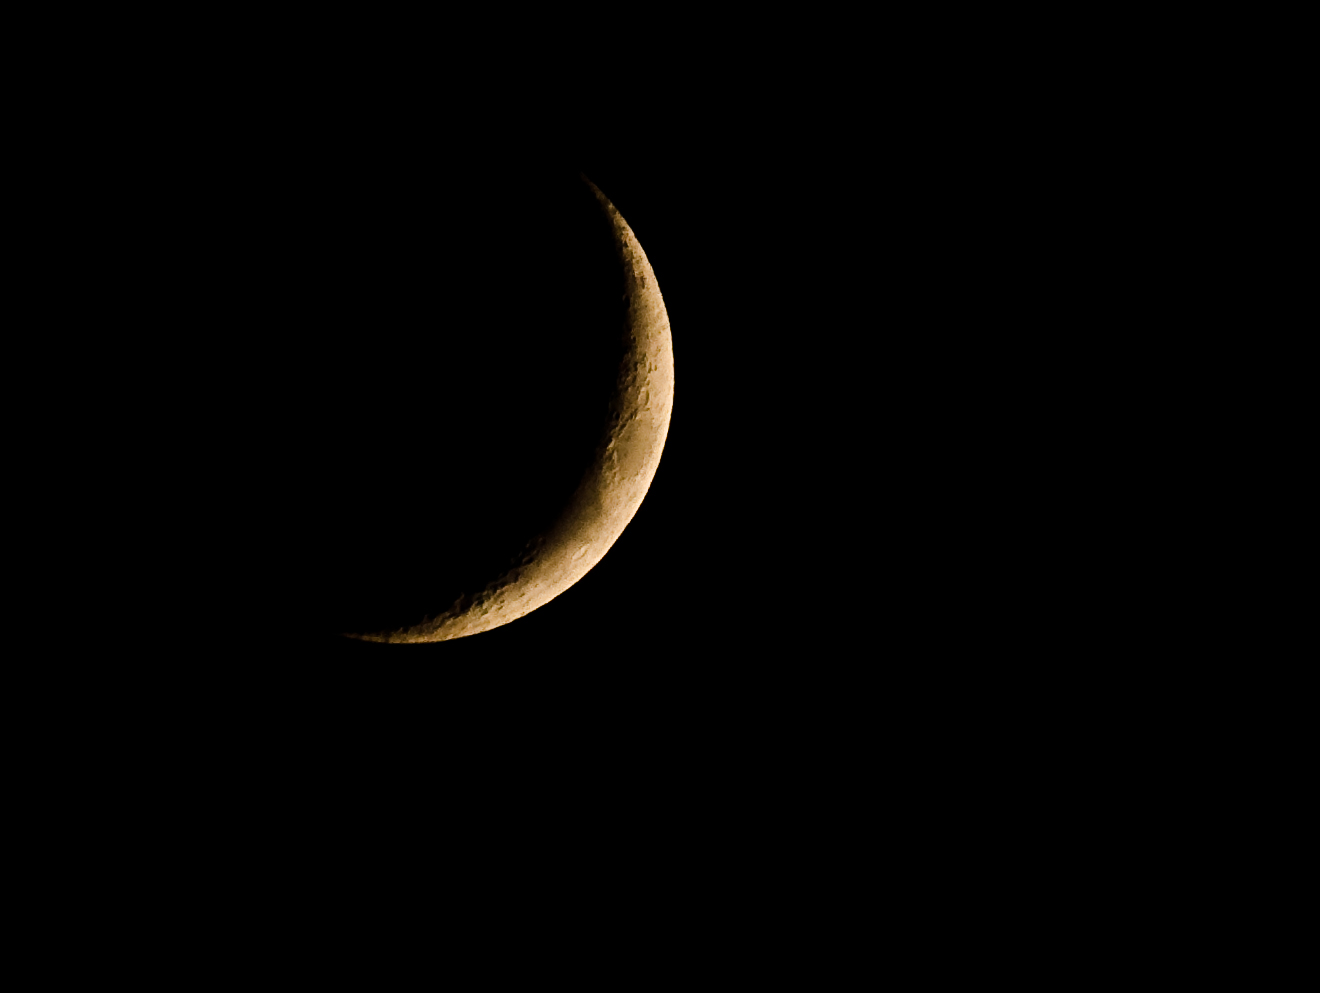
[811, 650]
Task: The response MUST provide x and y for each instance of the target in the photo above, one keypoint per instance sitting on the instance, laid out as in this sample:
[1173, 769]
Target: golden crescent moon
[612, 488]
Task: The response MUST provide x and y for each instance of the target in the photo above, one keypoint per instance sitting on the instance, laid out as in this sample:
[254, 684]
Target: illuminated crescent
[614, 486]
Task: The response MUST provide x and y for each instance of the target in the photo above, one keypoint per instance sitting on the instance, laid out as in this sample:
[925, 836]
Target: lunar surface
[620, 462]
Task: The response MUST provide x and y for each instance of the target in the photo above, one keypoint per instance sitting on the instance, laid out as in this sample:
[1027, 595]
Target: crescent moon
[613, 487]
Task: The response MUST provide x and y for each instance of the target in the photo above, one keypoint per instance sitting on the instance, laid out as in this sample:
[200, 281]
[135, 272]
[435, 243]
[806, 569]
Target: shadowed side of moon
[437, 360]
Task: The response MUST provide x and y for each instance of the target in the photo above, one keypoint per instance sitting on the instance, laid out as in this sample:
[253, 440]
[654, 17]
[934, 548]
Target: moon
[626, 457]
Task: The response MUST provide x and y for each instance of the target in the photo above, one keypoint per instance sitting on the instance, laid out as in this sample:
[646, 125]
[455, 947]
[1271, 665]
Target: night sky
[341, 352]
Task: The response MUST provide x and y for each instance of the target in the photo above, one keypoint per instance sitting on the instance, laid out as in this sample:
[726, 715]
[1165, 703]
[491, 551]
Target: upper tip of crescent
[602, 199]
[593, 187]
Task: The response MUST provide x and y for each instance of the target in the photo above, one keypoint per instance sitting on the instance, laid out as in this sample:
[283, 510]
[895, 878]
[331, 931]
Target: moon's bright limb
[613, 487]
